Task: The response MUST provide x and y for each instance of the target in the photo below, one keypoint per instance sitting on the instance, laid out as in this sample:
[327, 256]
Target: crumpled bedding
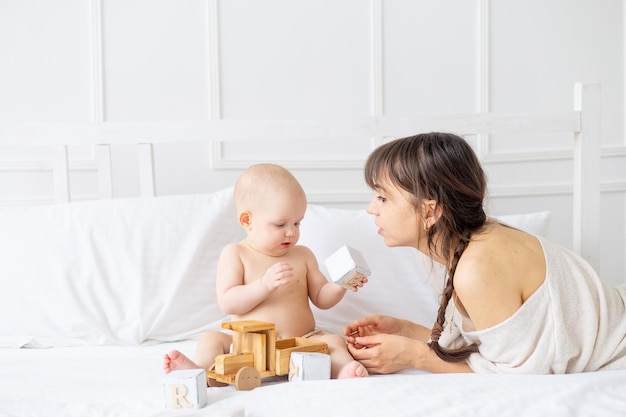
[112, 381]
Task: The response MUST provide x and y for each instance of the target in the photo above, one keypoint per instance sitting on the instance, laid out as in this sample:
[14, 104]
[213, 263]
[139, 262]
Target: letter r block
[185, 389]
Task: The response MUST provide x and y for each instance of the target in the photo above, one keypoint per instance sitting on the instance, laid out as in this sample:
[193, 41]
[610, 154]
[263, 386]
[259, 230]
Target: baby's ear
[245, 219]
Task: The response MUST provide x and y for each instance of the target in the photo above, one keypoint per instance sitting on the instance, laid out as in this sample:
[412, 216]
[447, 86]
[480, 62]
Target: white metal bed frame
[583, 122]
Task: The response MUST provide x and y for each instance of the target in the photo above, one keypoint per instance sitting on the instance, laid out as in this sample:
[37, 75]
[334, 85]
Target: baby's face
[276, 227]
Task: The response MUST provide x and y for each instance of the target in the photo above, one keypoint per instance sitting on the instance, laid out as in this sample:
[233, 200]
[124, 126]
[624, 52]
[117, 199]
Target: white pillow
[130, 271]
[404, 282]
[122, 271]
[535, 223]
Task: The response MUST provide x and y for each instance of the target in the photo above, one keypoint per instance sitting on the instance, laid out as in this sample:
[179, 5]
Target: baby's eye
[280, 225]
[381, 198]
[297, 224]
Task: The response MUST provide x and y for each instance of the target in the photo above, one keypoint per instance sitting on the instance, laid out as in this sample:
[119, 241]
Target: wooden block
[248, 326]
[255, 343]
[285, 347]
[185, 389]
[347, 266]
[228, 364]
[235, 347]
[271, 350]
[308, 366]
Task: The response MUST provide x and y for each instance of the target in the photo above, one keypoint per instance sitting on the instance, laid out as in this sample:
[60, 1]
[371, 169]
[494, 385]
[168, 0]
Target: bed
[94, 293]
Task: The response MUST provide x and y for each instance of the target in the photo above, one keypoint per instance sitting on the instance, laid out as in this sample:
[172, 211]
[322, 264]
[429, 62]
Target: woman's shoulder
[498, 271]
[499, 244]
[504, 253]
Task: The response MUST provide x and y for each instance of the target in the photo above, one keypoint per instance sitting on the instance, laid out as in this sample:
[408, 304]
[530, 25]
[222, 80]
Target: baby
[267, 277]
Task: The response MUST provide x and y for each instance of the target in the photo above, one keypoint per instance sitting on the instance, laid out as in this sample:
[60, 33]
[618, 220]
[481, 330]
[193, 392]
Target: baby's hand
[277, 275]
[359, 284]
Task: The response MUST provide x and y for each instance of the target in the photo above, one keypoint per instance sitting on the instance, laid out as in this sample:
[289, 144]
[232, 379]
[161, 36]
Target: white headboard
[583, 122]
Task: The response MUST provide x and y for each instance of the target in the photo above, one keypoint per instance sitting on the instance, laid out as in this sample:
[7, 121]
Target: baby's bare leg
[209, 346]
[342, 364]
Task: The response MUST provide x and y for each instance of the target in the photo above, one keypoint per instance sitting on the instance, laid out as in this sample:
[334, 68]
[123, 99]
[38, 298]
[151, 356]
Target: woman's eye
[381, 198]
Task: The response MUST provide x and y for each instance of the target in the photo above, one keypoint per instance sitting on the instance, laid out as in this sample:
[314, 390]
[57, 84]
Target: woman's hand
[386, 353]
[385, 345]
[373, 325]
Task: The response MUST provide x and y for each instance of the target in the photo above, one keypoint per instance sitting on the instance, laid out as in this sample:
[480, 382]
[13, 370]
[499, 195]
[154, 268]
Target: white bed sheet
[127, 382]
[111, 381]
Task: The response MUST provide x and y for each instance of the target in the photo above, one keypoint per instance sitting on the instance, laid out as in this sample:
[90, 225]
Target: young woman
[512, 302]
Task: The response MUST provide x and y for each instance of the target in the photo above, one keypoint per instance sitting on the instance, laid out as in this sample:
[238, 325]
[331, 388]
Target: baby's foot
[353, 369]
[176, 360]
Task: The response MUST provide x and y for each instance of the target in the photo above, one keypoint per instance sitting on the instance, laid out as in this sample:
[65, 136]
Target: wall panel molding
[377, 68]
[219, 162]
[41, 201]
[357, 197]
[97, 78]
[24, 165]
[483, 86]
[376, 59]
[346, 196]
[214, 93]
[527, 156]
[614, 151]
[528, 190]
[607, 152]
[483, 103]
[213, 60]
[296, 164]
[338, 197]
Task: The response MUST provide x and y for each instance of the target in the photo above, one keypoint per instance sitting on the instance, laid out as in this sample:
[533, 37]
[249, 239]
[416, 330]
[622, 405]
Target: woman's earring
[425, 226]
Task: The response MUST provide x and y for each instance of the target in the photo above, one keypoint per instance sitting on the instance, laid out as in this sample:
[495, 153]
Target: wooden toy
[347, 266]
[308, 366]
[185, 389]
[256, 354]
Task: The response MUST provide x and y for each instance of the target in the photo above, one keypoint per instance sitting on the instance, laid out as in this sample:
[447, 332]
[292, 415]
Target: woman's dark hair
[444, 168]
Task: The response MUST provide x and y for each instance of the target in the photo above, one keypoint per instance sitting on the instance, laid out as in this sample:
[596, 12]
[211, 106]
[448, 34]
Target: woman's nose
[371, 207]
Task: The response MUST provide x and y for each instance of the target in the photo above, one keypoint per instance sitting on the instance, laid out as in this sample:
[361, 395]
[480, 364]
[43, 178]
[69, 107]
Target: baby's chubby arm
[236, 297]
[323, 293]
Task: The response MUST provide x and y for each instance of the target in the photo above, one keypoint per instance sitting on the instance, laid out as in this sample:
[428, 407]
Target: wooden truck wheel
[247, 378]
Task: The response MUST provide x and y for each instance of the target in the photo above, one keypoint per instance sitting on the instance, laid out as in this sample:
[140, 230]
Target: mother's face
[397, 219]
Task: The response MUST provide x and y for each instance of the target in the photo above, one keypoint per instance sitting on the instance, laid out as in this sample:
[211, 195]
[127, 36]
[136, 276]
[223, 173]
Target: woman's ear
[245, 219]
[432, 213]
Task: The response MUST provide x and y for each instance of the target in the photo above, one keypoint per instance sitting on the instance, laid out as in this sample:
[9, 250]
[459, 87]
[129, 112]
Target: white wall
[119, 60]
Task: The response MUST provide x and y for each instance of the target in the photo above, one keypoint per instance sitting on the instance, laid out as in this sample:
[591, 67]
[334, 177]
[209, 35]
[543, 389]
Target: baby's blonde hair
[258, 183]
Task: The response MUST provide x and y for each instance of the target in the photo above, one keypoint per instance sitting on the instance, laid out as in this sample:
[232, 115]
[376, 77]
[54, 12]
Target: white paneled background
[133, 60]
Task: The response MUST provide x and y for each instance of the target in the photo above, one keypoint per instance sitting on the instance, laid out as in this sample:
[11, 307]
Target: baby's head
[270, 204]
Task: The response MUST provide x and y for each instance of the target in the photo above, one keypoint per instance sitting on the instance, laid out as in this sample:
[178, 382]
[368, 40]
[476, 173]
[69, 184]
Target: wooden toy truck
[256, 354]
